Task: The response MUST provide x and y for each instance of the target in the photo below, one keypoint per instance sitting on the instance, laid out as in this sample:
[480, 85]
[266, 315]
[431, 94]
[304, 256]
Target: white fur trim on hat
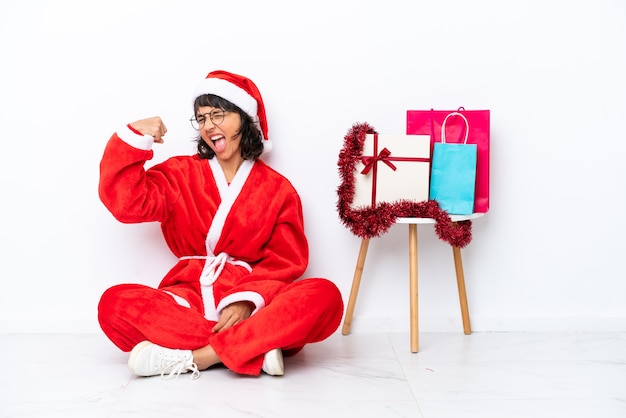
[228, 91]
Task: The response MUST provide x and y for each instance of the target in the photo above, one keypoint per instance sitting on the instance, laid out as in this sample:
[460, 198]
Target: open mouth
[219, 142]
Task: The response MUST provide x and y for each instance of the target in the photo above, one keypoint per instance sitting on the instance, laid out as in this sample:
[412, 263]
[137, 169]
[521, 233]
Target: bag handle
[443, 126]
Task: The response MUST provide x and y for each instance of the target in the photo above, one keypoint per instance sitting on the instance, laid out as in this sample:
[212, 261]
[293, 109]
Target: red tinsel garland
[373, 221]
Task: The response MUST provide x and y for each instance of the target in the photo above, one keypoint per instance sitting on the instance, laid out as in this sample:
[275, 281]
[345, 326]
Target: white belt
[211, 271]
[214, 266]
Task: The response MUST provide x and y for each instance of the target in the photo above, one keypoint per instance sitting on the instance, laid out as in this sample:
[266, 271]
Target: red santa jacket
[243, 241]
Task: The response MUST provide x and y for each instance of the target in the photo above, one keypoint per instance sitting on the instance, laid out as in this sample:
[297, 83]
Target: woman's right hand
[153, 126]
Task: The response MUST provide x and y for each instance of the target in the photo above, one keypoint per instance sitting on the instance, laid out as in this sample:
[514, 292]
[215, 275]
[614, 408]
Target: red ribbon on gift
[385, 156]
[370, 162]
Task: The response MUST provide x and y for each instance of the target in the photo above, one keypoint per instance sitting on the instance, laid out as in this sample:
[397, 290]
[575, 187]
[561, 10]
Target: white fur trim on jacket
[143, 142]
[247, 296]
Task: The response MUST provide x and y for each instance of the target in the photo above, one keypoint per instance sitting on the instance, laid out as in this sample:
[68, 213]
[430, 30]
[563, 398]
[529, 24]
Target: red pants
[304, 312]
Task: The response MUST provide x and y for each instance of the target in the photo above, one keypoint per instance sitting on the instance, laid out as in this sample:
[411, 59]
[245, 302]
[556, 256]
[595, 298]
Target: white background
[548, 256]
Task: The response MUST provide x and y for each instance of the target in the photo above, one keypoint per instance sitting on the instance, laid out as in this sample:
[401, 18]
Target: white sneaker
[148, 359]
[273, 363]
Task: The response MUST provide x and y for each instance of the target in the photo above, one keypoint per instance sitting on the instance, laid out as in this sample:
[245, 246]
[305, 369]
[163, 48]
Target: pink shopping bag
[428, 122]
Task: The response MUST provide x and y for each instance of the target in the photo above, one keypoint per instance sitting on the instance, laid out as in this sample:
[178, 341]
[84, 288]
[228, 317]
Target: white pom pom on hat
[240, 91]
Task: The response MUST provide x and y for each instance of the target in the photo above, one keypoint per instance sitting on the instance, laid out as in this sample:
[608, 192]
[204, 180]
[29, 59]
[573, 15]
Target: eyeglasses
[216, 117]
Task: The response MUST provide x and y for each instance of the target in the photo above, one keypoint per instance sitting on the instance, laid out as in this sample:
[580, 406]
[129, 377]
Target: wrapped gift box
[392, 168]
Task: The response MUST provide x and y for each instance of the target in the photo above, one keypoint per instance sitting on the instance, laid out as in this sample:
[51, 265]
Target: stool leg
[413, 287]
[460, 280]
[356, 281]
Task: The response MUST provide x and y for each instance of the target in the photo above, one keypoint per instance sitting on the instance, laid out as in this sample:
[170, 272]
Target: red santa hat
[240, 91]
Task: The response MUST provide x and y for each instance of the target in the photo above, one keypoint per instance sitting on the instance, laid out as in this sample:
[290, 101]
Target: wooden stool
[458, 265]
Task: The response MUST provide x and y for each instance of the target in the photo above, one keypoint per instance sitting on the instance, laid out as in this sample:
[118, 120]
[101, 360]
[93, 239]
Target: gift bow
[383, 156]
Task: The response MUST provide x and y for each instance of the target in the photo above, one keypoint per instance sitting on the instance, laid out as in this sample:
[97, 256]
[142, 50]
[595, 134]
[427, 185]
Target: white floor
[500, 375]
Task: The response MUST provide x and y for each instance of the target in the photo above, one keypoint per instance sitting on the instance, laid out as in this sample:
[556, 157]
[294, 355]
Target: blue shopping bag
[453, 173]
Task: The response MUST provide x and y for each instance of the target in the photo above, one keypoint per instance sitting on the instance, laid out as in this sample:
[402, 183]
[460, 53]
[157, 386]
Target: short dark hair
[251, 137]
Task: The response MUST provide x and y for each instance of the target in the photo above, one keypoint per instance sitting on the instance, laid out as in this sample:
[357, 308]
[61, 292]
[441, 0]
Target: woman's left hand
[232, 315]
